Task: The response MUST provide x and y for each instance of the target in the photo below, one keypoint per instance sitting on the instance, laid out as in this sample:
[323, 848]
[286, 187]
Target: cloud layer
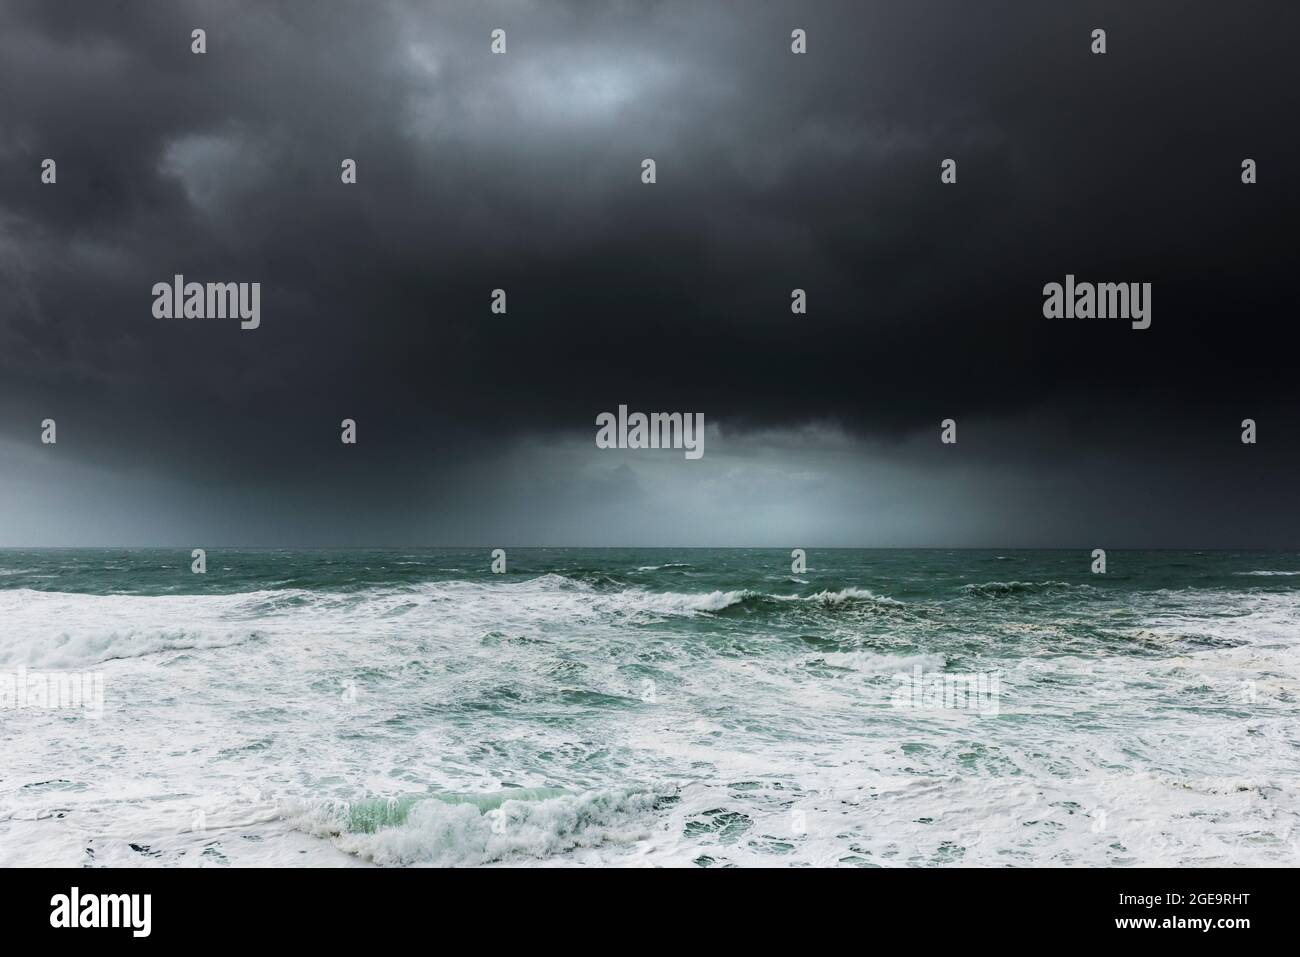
[522, 172]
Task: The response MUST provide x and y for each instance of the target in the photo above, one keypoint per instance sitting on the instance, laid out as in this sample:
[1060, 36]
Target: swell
[1000, 589]
[60, 629]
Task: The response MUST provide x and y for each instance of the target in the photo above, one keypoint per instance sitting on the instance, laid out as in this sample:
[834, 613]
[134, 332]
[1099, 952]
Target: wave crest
[61, 630]
[468, 830]
[991, 589]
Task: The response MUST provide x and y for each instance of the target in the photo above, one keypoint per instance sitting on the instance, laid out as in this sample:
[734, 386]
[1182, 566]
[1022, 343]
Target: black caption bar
[338, 907]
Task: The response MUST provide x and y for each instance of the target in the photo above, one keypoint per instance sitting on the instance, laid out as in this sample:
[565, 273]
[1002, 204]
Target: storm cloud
[775, 171]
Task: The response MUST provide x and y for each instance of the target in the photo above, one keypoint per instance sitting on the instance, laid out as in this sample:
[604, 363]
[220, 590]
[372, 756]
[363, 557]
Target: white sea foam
[57, 630]
[760, 725]
[846, 596]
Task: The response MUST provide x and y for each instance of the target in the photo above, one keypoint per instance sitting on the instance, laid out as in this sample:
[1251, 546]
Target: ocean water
[652, 707]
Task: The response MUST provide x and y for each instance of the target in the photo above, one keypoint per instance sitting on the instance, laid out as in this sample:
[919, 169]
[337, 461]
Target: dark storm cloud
[522, 171]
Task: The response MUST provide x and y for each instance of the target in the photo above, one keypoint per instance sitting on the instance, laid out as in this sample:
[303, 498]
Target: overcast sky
[522, 171]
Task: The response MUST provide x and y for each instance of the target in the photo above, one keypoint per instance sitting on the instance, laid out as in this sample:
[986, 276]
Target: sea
[649, 707]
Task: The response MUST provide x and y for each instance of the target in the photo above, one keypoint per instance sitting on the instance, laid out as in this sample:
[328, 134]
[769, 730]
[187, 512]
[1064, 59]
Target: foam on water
[461, 830]
[590, 712]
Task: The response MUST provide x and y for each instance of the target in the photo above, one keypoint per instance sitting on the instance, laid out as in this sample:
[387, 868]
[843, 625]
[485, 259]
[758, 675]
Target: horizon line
[877, 548]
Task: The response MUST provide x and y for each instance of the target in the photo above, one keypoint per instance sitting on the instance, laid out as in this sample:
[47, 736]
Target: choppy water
[653, 707]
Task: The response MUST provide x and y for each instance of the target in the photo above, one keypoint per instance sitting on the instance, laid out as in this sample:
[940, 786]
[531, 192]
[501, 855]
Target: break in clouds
[523, 173]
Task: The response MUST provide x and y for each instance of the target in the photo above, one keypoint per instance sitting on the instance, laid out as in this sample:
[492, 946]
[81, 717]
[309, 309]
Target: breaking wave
[57, 629]
[451, 830]
[993, 589]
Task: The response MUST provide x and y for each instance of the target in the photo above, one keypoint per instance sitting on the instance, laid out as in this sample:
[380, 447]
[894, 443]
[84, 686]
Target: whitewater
[652, 707]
